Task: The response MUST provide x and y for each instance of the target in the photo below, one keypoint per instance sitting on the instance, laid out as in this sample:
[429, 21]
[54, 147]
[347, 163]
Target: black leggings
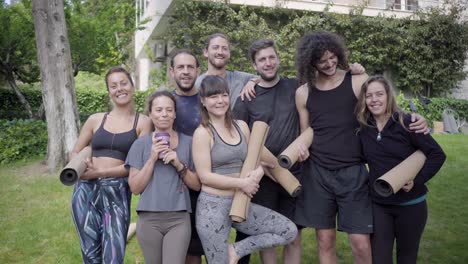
[405, 224]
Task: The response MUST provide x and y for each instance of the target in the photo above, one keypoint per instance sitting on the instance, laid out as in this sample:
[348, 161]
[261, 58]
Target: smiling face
[218, 52]
[217, 104]
[267, 64]
[376, 99]
[120, 88]
[185, 71]
[327, 64]
[162, 113]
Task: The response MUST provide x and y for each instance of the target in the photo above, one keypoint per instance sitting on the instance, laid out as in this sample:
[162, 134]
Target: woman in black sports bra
[101, 198]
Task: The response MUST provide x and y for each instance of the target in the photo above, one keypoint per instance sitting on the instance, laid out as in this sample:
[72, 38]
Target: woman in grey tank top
[219, 150]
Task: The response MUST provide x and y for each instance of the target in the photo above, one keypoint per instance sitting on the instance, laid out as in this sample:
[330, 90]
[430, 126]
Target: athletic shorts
[328, 193]
[195, 247]
[271, 195]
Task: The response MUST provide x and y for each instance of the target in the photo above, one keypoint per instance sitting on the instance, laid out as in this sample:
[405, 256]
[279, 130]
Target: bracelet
[183, 171]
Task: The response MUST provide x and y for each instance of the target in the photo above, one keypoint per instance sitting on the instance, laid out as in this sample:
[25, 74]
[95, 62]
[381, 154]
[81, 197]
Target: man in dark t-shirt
[184, 70]
[275, 103]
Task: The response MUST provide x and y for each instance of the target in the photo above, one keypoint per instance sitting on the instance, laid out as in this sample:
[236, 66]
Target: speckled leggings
[266, 228]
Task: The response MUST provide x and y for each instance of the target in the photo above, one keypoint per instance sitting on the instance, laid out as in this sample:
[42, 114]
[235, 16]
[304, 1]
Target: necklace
[379, 137]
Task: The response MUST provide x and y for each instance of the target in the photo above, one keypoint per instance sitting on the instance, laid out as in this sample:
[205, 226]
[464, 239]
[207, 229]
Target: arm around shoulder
[145, 125]
[302, 94]
[358, 81]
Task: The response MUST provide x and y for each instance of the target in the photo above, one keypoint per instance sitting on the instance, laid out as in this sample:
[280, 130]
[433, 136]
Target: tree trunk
[58, 87]
[21, 98]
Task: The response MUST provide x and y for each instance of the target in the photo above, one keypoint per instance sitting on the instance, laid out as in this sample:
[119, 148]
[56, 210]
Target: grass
[36, 225]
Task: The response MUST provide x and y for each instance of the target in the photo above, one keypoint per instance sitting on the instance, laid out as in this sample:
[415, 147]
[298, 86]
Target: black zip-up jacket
[395, 145]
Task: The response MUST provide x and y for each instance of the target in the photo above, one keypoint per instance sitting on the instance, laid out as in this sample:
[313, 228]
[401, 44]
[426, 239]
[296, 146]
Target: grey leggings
[163, 236]
[266, 228]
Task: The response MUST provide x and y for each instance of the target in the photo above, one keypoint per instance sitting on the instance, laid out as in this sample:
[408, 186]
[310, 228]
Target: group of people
[184, 160]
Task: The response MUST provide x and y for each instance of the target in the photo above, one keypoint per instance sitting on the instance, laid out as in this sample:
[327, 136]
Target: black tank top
[335, 143]
[107, 144]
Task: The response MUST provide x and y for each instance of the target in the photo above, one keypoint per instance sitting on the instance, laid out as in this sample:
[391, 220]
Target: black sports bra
[107, 144]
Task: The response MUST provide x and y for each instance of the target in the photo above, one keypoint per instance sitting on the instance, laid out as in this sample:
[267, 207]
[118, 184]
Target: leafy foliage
[17, 44]
[89, 101]
[433, 108]
[22, 139]
[425, 53]
[100, 33]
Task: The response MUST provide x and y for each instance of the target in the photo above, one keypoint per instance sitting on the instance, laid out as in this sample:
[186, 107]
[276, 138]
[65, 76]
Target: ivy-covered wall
[425, 53]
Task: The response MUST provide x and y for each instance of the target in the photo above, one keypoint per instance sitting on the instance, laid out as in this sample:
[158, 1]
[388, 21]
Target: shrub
[89, 101]
[22, 139]
[432, 108]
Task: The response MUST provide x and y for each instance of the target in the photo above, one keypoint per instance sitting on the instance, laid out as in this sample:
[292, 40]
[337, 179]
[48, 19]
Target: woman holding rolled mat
[220, 145]
[387, 141]
[160, 169]
[101, 198]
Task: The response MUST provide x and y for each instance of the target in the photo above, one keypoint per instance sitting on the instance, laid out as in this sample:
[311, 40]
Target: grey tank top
[227, 158]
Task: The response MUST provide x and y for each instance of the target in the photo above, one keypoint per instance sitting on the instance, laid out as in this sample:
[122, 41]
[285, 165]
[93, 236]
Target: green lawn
[36, 225]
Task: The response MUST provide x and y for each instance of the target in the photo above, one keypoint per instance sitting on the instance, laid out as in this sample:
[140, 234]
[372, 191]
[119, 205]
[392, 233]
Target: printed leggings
[266, 228]
[403, 224]
[101, 213]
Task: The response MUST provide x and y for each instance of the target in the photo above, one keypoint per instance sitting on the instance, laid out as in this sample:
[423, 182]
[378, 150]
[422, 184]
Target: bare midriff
[221, 192]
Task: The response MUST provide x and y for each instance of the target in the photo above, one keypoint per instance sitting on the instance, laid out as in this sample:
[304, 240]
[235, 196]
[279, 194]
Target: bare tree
[58, 87]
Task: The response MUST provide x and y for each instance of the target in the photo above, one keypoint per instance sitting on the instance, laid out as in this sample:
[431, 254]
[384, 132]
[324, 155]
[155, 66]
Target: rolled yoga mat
[289, 156]
[392, 181]
[283, 176]
[75, 168]
[240, 203]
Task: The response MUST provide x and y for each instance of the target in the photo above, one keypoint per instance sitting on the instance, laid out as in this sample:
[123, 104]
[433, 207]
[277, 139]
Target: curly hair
[312, 47]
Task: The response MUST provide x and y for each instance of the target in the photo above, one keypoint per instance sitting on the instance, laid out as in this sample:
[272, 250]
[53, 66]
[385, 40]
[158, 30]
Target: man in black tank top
[335, 181]
[274, 101]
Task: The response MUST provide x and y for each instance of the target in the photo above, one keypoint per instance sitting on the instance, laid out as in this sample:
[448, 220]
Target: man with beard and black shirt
[274, 101]
[184, 70]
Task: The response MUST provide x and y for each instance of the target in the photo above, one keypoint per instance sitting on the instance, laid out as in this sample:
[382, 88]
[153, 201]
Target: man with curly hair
[335, 180]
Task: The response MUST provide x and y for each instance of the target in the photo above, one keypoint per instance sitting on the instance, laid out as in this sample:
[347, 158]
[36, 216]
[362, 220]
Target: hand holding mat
[392, 181]
[283, 176]
[290, 155]
[75, 168]
[240, 203]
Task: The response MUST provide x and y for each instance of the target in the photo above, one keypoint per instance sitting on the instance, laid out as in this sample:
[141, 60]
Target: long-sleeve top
[395, 145]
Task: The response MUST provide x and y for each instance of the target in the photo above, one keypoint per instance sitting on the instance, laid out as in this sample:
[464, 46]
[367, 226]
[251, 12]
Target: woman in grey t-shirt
[159, 173]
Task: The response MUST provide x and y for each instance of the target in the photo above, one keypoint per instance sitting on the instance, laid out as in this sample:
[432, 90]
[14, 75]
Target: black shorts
[326, 193]
[273, 196]
[195, 247]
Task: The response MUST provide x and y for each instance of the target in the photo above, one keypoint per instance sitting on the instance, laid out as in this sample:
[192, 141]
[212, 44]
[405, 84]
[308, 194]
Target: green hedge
[22, 139]
[89, 101]
[433, 109]
[92, 101]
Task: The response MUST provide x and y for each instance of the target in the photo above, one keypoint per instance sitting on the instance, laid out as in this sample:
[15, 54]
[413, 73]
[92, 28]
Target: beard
[216, 63]
[268, 78]
[185, 88]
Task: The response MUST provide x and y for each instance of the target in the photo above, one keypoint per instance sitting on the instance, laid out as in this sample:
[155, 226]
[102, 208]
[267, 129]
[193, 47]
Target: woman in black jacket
[386, 141]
